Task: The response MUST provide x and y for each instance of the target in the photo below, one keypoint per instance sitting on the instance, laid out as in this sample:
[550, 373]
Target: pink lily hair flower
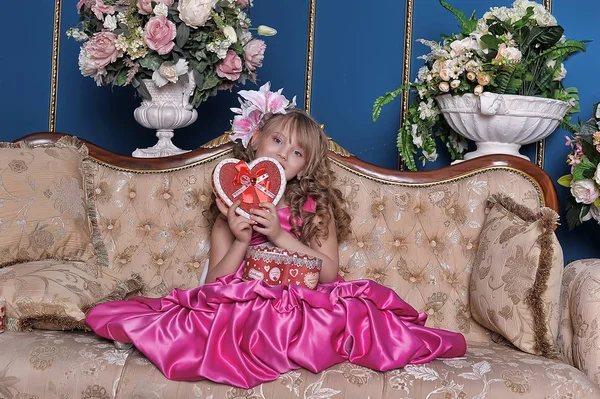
[255, 108]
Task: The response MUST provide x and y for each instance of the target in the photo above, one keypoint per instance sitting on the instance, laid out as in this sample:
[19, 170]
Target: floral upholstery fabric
[43, 204]
[579, 336]
[59, 364]
[515, 284]
[153, 224]
[52, 294]
[80, 365]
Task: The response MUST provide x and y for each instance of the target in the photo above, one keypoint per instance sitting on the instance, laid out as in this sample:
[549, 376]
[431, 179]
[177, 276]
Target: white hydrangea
[77, 34]
[427, 109]
[219, 47]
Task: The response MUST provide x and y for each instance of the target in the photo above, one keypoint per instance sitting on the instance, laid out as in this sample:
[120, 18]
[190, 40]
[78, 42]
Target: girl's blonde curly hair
[317, 180]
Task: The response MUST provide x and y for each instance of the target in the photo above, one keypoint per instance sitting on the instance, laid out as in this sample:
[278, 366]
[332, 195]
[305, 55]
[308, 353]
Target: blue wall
[358, 55]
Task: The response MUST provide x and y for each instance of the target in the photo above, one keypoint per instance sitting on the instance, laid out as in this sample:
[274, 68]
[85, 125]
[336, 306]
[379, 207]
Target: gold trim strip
[54, 70]
[310, 53]
[408, 24]
[540, 146]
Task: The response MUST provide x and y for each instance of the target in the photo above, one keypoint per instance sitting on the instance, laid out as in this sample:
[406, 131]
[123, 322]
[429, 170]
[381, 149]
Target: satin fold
[246, 333]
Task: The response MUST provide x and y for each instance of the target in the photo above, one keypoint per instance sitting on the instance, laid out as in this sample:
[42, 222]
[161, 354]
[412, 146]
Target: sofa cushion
[515, 284]
[44, 208]
[52, 294]
[59, 364]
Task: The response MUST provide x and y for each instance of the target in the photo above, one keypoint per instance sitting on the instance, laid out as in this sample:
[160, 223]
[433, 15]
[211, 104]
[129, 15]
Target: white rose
[229, 33]
[584, 191]
[471, 76]
[445, 73]
[597, 174]
[510, 54]
[161, 10]
[169, 72]
[455, 83]
[195, 13]
[110, 22]
[478, 90]
[444, 86]
[593, 213]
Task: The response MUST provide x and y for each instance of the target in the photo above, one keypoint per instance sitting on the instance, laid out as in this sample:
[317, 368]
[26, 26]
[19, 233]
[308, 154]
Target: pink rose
[159, 33]
[145, 6]
[99, 9]
[101, 50]
[242, 3]
[79, 5]
[231, 67]
[254, 52]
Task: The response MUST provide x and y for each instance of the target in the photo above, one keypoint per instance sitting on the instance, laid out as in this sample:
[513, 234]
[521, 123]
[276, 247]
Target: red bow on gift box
[247, 179]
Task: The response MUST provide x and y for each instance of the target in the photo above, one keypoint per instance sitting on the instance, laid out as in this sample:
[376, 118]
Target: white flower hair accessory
[255, 108]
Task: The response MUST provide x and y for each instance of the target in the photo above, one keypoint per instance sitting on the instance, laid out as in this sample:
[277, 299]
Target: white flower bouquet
[510, 50]
[209, 41]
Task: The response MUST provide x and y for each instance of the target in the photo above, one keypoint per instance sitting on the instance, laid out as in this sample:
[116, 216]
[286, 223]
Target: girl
[246, 333]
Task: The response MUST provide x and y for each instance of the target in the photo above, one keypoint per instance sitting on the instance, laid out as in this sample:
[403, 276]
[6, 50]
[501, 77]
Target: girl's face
[281, 144]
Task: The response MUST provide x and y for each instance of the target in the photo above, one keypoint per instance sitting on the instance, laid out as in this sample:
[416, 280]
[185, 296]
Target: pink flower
[159, 34]
[145, 6]
[79, 5]
[231, 67]
[99, 9]
[254, 53]
[101, 50]
[242, 3]
[584, 191]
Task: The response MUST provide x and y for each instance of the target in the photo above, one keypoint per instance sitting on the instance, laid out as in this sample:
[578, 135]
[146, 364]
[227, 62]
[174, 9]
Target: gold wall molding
[540, 146]
[408, 26]
[54, 68]
[310, 53]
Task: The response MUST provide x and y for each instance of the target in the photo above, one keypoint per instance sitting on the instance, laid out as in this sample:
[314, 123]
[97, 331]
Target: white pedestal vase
[501, 123]
[169, 109]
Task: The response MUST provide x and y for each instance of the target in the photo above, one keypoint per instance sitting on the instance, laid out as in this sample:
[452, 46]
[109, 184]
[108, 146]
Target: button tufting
[361, 244]
[203, 198]
[397, 243]
[430, 311]
[412, 280]
[417, 210]
[147, 226]
[166, 196]
[132, 194]
[98, 190]
[433, 243]
[381, 208]
[469, 245]
[159, 261]
[110, 226]
[196, 265]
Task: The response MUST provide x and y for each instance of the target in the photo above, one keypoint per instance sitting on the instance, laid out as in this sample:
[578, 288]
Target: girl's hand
[240, 226]
[267, 221]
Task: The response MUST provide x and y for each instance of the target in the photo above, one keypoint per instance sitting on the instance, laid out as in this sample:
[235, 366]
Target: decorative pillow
[45, 211]
[515, 284]
[56, 295]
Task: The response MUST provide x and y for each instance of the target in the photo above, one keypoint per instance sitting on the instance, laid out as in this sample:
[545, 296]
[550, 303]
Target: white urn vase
[168, 109]
[501, 123]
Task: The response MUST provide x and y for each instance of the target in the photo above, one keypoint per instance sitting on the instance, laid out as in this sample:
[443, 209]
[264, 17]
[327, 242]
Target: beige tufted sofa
[414, 232]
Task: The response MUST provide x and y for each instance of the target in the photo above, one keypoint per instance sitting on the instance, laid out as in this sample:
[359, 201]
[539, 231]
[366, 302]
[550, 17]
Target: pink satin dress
[245, 333]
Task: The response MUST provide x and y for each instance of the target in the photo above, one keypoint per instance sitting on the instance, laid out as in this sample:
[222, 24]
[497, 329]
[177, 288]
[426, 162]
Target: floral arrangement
[169, 41]
[584, 180]
[510, 50]
[256, 106]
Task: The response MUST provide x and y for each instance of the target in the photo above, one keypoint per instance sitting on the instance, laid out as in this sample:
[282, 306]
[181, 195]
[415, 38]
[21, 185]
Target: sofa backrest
[416, 233]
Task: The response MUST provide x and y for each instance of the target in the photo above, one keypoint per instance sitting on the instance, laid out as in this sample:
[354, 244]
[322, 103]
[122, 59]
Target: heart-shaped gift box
[262, 180]
[278, 266]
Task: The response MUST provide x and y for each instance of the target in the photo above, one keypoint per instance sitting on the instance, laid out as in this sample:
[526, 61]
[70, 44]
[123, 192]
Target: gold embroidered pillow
[43, 204]
[56, 295]
[515, 283]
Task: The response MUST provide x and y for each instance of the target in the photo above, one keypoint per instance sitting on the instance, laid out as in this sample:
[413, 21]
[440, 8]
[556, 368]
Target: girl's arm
[327, 251]
[229, 241]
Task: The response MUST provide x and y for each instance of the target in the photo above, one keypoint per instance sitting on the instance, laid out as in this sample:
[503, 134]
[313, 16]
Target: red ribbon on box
[247, 179]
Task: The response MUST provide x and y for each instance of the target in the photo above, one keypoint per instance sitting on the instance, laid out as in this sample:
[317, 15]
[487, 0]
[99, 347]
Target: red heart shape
[262, 180]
